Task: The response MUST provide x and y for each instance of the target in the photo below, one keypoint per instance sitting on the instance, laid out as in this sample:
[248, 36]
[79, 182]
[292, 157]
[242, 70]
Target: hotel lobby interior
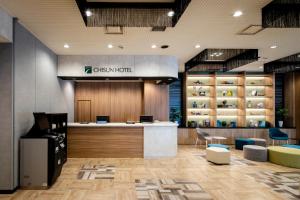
[150, 100]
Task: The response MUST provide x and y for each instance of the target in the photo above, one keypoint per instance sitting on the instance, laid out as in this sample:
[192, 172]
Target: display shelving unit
[230, 100]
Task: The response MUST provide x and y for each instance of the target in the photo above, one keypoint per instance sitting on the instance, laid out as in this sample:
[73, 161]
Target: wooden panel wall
[156, 100]
[105, 142]
[297, 103]
[289, 98]
[121, 101]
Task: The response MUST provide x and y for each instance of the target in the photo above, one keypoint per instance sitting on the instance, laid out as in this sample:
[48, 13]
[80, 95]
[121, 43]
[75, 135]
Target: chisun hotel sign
[77, 66]
[112, 69]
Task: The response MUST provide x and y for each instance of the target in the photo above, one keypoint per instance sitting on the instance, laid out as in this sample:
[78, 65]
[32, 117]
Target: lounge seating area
[254, 149]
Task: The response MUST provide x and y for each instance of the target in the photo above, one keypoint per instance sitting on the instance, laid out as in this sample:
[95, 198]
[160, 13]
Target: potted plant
[175, 115]
[281, 114]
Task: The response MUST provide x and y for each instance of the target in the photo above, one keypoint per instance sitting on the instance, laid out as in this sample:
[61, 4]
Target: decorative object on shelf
[175, 115]
[198, 82]
[251, 123]
[194, 92]
[194, 104]
[224, 103]
[253, 93]
[233, 124]
[262, 124]
[203, 105]
[206, 123]
[224, 93]
[219, 123]
[224, 123]
[281, 114]
[249, 104]
[227, 82]
[201, 92]
[260, 105]
[229, 93]
[192, 124]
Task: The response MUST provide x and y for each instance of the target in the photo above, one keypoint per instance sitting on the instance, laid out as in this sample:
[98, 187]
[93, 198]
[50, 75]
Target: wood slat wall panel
[105, 142]
[121, 101]
[156, 100]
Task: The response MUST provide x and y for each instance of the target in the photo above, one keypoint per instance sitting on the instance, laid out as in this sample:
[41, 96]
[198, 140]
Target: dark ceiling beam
[140, 5]
[178, 6]
[281, 14]
[247, 57]
[284, 65]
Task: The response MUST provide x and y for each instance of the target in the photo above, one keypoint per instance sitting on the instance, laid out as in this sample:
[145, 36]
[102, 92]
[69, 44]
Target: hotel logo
[88, 69]
[112, 69]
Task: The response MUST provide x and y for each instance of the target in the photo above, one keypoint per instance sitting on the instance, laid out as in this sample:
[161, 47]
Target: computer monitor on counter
[146, 119]
[102, 119]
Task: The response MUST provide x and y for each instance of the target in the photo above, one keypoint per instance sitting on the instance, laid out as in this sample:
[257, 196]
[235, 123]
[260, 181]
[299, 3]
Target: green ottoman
[284, 156]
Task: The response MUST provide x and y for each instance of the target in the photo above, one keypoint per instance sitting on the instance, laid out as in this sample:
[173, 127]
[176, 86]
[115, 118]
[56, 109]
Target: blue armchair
[276, 134]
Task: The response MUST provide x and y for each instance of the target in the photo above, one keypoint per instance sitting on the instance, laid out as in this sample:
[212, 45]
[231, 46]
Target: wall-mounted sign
[93, 70]
[117, 66]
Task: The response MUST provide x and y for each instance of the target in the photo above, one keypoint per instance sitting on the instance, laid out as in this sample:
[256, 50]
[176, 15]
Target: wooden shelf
[240, 88]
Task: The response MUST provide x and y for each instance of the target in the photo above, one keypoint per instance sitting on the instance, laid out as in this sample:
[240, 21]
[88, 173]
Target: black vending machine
[43, 150]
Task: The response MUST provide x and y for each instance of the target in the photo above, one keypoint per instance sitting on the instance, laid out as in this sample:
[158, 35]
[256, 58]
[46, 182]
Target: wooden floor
[221, 182]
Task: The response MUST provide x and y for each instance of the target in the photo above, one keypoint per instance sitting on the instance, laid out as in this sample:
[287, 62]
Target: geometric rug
[169, 189]
[88, 172]
[285, 183]
[233, 160]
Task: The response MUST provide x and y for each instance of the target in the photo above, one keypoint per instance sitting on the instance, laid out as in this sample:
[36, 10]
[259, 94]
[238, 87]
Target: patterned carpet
[285, 183]
[88, 172]
[234, 160]
[169, 189]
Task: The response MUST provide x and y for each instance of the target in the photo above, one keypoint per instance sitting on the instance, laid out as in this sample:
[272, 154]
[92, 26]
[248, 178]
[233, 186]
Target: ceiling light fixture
[66, 46]
[171, 13]
[197, 46]
[237, 13]
[273, 46]
[153, 46]
[88, 13]
[110, 46]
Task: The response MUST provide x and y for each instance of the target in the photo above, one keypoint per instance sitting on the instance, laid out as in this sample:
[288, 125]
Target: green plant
[282, 113]
[175, 114]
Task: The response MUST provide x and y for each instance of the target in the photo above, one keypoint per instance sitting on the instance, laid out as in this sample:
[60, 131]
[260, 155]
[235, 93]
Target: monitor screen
[102, 119]
[146, 119]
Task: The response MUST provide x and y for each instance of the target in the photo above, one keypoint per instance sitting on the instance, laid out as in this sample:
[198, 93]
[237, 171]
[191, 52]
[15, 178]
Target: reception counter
[121, 140]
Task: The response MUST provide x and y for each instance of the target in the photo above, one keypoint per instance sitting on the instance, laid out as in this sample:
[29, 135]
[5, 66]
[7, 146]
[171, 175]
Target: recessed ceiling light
[237, 13]
[298, 55]
[197, 46]
[88, 13]
[66, 46]
[110, 46]
[273, 46]
[153, 46]
[171, 13]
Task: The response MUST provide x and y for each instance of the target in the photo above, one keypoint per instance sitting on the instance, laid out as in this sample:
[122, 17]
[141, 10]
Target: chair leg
[206, 143]
[196, 142]
[287, 142]
[273, 142]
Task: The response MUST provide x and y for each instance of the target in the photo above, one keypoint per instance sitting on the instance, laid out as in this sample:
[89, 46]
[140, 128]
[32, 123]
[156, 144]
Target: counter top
[160, 124]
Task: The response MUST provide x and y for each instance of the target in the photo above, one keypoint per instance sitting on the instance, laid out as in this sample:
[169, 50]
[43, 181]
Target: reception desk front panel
[121, 140]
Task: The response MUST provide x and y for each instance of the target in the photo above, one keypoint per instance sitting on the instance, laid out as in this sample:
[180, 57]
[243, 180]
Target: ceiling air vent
[113, 30]
[251, 30]
[159, 28]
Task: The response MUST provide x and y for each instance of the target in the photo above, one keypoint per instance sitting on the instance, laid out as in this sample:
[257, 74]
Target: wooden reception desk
[121, 140]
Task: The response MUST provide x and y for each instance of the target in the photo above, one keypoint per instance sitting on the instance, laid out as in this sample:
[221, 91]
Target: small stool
[255, 153]
[259, 142]
[219, 139]
[240, 142]
[219, 145]
[218, 155]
